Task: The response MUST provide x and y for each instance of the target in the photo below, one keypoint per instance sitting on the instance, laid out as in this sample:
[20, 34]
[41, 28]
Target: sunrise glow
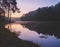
[26, 6]
[16, 15]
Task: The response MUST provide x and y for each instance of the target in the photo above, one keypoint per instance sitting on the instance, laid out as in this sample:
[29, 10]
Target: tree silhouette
[9, 6]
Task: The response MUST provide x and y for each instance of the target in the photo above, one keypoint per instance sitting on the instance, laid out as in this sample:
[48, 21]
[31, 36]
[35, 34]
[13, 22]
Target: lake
[45, 34]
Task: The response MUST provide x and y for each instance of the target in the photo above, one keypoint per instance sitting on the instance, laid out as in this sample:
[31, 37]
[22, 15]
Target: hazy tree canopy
[51, 13]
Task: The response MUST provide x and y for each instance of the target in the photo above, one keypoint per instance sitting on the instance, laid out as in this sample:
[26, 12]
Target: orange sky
[17, 14]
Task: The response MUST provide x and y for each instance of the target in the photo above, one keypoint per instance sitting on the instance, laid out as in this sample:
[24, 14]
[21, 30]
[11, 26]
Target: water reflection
[29, 35]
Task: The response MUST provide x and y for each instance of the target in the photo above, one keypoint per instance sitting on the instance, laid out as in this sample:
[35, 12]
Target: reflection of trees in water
[52, 28]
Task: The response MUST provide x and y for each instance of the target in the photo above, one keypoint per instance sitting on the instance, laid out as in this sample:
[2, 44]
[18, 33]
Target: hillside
[51, 13]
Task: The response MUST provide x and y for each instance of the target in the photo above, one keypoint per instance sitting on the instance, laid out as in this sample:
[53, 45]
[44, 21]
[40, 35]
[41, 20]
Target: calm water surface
[25, 33]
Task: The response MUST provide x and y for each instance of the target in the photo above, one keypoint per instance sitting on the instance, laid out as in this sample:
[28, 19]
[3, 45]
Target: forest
[51, 13]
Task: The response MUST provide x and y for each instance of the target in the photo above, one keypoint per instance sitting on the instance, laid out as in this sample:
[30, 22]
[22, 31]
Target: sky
[31, 5]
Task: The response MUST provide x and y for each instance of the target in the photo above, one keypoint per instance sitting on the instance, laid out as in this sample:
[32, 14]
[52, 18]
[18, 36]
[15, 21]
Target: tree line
[51, 13]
